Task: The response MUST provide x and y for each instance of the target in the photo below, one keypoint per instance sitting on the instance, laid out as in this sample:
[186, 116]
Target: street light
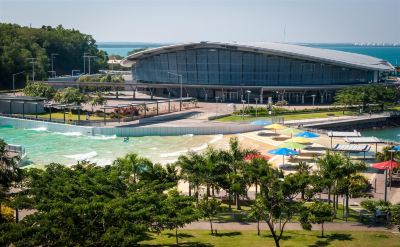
[33, 61]
[180, 80]
[391, 151]
[256, 99]
[13, 76]
[243, 101]
[52, 63]
[216, 105]
[248, 98]
[313, 99]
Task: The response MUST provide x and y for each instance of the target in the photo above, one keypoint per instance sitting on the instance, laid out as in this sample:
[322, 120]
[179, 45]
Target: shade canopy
[283, 151]
[275, 127]
[299, 140]
[292, 145]
[261, 122]
[307, 134]
[290, 131]
[385, 165]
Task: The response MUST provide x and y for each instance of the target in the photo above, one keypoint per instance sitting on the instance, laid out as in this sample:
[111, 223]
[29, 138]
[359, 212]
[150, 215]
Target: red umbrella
[385, 165]
[253, 156]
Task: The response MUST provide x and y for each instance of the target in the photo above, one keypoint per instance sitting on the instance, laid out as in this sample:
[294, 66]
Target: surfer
[126, 139]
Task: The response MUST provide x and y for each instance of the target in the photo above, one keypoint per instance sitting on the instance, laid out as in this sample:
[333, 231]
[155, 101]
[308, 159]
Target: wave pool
[43, 147]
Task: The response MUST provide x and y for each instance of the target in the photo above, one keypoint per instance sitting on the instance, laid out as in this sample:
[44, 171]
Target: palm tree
[351, 183]
[328, 171]
[304, 176]
[192, 166]
[131, 166]
[236, 155]
[98, 99]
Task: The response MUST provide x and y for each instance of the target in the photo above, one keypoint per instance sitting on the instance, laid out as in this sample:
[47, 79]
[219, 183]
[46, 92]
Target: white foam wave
[174, 154]
[217, 138]
[101, 162]
[199, 148]
[38, 129]
[103, 137]
[84, 156]
[153, 148]
[69, 133]
[189, 135]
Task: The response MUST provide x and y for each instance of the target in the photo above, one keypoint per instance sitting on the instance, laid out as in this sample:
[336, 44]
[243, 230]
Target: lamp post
[33, 61]
[391, 151]
[313, 99]
[216, 105]
[181, 89]
[13, 76]
[256, 99]
[248, 98]
[52, 64]
[243, 101]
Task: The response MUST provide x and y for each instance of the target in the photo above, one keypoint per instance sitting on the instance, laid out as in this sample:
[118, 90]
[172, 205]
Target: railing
[18, 149]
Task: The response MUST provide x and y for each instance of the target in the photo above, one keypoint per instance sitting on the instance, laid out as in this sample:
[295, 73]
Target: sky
[306, 21]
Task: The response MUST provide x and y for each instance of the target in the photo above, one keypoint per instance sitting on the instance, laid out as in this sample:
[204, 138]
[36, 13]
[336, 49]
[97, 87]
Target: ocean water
[43, 147]
[389, 53]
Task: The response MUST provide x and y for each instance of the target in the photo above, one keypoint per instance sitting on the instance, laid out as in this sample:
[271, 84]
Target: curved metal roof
[340, 58]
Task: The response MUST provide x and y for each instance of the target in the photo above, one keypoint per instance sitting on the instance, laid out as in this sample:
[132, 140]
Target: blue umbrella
[284, 152]
[307, 134]
[260, 122]
[397, 148]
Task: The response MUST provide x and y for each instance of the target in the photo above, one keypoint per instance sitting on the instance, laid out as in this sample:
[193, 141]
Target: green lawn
[290, 238]
[287, 117]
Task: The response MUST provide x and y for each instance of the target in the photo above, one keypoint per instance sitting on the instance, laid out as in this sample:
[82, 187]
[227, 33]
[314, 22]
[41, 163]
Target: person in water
[126, 139]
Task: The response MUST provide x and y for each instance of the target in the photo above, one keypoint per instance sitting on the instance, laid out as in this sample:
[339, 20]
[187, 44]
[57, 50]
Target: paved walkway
[235, 226]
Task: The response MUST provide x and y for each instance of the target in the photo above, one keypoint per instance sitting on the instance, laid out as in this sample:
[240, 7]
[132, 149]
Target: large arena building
[231, 71]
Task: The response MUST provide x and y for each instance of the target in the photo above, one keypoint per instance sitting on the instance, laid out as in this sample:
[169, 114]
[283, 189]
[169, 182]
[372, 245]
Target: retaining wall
[130, 131]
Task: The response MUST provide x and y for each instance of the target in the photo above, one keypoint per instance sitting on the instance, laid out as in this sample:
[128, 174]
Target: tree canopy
[18, 43]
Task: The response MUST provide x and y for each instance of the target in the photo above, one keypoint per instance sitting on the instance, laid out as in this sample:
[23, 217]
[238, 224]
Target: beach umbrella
[261, 122]
[290, 131]
[385, 165]
[292, 145]
[299, 140]
[307, 134]
[284, 152]
[397, 148]
[275, 127]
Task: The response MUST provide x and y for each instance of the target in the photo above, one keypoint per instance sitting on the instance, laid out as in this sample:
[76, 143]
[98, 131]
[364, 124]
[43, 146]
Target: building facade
[227, 70]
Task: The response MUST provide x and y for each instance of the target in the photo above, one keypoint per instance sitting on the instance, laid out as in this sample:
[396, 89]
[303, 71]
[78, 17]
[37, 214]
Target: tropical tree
[97, 99]
[192, 166]
[209, 209]
[39, 89]
[9, 174]
[303, 176]
[276, 204]
[70, 95]
[177, 211]
[131, 166]
[329, 171]
[317, 213]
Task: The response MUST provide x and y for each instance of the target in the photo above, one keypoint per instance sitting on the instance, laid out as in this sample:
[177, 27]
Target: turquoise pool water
[43, 147]
[390, 134]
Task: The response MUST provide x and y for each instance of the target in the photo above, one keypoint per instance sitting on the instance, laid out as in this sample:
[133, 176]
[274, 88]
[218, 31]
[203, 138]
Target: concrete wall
[17, 107]
[130, 131]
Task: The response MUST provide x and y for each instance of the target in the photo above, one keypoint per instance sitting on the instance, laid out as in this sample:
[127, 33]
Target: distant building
[227, 70]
